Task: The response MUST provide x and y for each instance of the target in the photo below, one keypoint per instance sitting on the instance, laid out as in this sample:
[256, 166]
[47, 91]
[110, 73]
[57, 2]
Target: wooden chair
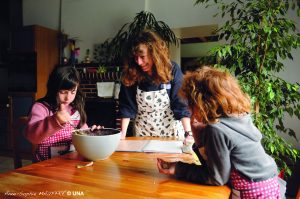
[18, 140]
[20, 105]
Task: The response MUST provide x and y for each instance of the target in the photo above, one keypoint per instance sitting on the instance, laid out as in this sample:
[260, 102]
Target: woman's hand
[164, 167]
[123, 135]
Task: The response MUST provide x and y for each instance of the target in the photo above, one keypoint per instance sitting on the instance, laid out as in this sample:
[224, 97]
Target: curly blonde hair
[212, 93]
[159, 52]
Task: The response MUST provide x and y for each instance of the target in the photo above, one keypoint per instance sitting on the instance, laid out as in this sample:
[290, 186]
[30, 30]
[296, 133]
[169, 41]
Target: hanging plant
[259, 35]
[115, 49]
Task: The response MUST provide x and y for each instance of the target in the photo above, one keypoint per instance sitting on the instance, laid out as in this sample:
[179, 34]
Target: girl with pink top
[55, 116]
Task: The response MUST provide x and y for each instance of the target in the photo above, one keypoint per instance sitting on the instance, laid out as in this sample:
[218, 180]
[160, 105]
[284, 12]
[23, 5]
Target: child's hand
[62, 114]
[166, 167]
[96, 127]
[197, 127]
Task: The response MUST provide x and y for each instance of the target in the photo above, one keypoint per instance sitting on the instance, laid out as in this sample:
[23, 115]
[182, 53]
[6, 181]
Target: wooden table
[122, 175]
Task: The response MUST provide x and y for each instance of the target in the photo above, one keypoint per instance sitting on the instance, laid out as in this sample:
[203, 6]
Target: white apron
[155, 117]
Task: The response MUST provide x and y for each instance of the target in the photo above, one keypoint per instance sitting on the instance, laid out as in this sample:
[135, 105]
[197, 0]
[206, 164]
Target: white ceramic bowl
[98, 144]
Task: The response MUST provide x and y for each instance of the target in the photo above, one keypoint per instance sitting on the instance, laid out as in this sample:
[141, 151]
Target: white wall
[182, 13]
[41, 12]
[291, 73]
[93, 21]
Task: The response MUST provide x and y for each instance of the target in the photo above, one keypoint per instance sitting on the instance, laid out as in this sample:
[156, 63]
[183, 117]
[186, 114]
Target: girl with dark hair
[55, 116]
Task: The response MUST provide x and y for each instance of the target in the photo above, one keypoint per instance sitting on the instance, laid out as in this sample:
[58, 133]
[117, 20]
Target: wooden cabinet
[35, 52]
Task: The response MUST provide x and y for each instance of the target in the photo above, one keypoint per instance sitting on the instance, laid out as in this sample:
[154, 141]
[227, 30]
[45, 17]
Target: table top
[122, 175]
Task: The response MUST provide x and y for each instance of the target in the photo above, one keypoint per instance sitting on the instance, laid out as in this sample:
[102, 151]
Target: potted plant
[113, 50]
[259, 36]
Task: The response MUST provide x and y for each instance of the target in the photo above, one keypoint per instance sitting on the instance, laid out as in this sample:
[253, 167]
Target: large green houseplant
[112, 51]
[258, 35]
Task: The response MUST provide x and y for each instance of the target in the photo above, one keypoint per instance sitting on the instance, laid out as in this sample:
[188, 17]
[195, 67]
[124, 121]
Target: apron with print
[155, 117]
[59, 143]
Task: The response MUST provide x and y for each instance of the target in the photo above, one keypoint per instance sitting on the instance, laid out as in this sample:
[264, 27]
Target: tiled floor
[7, 163]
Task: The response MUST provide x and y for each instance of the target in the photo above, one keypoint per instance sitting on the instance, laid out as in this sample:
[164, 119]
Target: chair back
[22, 149]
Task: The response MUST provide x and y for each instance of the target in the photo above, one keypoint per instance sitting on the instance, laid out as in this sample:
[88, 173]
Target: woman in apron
[150, 83]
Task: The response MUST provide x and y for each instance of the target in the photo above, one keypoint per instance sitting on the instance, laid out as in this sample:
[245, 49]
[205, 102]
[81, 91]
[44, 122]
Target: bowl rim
[119, 131]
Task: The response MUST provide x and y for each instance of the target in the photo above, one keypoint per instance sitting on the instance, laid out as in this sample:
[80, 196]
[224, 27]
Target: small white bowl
[97, 144]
